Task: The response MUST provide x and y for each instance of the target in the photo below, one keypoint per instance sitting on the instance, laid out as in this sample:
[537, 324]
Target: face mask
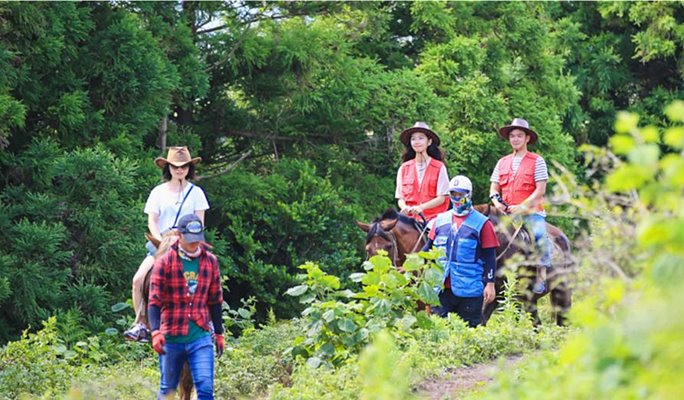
[461, 203]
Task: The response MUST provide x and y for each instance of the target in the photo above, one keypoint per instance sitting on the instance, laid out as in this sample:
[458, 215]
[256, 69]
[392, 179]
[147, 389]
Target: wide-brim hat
[518, 123]
[405, 136]
[177, 156]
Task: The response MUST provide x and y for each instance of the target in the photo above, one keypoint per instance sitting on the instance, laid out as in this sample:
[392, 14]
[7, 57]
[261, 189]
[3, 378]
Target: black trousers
[468, 308]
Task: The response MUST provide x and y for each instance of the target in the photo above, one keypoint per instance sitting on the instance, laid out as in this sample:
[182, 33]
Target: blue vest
[461, 258]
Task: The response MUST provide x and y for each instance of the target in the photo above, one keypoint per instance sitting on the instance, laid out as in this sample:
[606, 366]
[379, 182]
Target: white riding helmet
[460, 183]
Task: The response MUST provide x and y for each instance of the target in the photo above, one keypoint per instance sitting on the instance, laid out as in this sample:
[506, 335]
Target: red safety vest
[518, 186]
[414, 193]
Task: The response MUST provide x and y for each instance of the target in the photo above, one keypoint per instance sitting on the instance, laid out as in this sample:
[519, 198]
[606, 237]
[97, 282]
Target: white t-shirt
[165, 203]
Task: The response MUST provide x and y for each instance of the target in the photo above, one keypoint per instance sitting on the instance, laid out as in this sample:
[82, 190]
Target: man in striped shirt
[518, 184]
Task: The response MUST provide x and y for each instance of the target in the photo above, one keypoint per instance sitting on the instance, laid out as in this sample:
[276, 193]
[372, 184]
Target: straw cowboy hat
[177, 156]
[419, 126]
[518, 123]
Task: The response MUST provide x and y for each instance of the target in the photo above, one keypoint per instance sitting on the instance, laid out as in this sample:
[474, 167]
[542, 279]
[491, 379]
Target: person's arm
[495, 189]
[428, 245]
[200, 214]
[397, 194]
[489, 256]
[153, 225]
[437, 201]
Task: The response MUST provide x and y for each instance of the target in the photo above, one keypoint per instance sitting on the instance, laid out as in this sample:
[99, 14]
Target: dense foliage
[295, 108]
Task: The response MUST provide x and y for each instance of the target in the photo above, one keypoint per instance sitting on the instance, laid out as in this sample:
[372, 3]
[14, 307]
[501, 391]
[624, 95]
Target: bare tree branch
[228, 168]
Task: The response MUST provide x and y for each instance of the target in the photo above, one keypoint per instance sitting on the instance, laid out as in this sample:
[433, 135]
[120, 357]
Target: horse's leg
[561, 299]
[530, 306]
[186, 383]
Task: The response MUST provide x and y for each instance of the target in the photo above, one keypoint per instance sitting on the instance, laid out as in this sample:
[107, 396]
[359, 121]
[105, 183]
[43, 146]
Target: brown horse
[516, 240]
[163, 247]
[394, 233]
[398, 235]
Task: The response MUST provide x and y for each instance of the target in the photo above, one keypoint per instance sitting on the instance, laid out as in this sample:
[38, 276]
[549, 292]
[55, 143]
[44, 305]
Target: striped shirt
[541, 172]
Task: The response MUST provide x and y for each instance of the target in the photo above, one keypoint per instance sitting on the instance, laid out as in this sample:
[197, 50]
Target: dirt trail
[460, 381]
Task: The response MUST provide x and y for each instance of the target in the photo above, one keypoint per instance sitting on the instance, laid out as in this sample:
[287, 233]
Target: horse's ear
[364, 227]
[152, 239]
[388, 225]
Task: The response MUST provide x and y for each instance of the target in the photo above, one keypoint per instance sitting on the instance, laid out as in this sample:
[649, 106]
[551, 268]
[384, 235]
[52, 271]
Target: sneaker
[134, 332]
[144, 336]
[539, 287]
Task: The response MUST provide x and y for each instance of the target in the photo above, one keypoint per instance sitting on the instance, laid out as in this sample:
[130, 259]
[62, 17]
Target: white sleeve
[397, 191]
[200, 199]
[152, 206]
[495, 174]
[541, 172]
[443, 182]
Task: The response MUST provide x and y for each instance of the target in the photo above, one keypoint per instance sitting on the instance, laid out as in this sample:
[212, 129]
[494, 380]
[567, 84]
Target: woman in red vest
[422, 180]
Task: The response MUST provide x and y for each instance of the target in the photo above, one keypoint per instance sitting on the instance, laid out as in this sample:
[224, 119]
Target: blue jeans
[536, 225]
[199, 355]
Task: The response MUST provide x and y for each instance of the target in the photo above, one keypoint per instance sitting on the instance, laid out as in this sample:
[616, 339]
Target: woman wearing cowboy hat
[422, 180]
[518, 184]
[173, 198]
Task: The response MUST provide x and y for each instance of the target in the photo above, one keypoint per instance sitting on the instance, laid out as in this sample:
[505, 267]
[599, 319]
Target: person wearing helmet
[469, 242]
[422, 179]
[518, 184]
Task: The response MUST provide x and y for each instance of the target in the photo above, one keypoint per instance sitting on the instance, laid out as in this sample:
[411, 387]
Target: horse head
[394, 233]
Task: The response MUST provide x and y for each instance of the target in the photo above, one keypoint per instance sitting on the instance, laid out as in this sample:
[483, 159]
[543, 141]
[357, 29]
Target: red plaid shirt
[169, 292]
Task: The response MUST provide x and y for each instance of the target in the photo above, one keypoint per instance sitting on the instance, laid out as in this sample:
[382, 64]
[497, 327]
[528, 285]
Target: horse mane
[389, 214]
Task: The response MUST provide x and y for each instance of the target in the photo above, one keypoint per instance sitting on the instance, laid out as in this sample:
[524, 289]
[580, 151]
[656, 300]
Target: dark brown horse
[163, 247]
[398, 235]
[394, 233]
[516, 240]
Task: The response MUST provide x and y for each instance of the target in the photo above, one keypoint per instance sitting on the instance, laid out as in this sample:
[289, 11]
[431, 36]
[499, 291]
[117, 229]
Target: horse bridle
[393, 239]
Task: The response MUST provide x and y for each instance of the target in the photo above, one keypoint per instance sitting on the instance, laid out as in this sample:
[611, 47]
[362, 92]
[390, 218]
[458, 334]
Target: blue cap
[190, 226]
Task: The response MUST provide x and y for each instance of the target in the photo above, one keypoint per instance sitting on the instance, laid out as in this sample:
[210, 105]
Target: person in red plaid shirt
[185, 310]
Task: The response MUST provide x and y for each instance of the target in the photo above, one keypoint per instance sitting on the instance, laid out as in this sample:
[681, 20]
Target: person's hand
[220, 344]
[502, 208]
[158, 342]
[516, 209]
[489, 293]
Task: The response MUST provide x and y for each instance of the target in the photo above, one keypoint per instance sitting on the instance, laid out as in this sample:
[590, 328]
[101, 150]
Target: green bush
[629, 345]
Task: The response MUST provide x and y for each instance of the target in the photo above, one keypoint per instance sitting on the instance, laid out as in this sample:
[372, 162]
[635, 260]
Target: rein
[510, 242]
[422, 233]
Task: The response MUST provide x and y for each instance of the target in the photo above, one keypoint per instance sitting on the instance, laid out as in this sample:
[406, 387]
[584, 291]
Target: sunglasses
[184, 166]
[192, 227]
[460, 198]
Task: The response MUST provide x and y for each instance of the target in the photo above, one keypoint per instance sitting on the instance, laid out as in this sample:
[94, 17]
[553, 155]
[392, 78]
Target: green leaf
[297, 290]
[674, 137]
[626, 122]
[413, 262]
[651, 134]
[119, 307]
[675, 111]
[357, 276]
[427, 294]
[313, 362]
[627, 177]
[327, 349]
[622, 144]
[346, 325]
[329, 315]
[645, 156]
[111, 331]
